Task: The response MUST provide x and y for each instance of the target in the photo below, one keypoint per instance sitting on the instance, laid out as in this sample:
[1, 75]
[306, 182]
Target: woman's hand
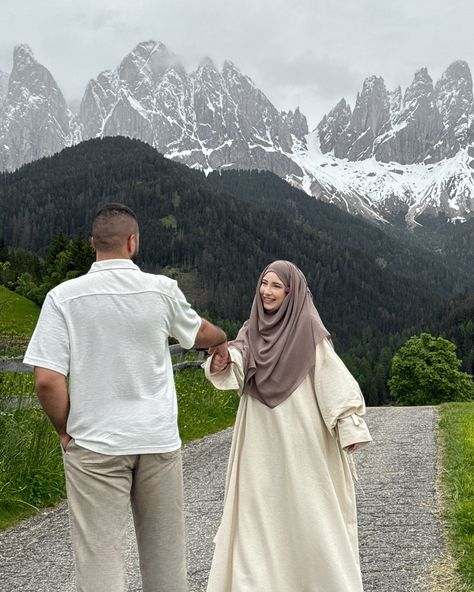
[220, 357]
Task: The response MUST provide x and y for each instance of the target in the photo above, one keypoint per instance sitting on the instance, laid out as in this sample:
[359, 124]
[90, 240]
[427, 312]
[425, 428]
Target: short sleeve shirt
[108, 333]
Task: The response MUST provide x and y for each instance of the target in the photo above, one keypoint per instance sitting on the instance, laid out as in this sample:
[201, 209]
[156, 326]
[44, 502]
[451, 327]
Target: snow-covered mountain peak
[31, 79]
[23, 54]
[372, 83]
[332, 125]
[425, 123]
[149, 60]
[422, 75]
[229, 65]
[458, 69]
[233, 75]
[35, 118]
[146, 49]
[420, 89]
[207, 63]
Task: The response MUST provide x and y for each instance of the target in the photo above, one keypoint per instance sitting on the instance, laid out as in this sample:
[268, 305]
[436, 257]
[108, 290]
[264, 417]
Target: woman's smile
[272, 292]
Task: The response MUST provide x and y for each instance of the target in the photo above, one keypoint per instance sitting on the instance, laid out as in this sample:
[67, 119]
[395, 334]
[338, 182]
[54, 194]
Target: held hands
[220, 357]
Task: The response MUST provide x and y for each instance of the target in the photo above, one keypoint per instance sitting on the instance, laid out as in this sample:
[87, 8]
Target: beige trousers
[100, 489]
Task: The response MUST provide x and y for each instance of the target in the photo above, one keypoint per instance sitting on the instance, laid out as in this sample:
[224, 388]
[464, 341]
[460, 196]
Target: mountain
[35, 118]
[429, 123]
[384, 191]
[207, 119]
[395, 154]
[409, 154]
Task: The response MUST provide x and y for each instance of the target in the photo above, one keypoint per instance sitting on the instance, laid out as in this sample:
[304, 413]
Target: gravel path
[400, 535]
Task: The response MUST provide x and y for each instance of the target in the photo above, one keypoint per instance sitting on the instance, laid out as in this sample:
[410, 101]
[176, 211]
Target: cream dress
[289, 521]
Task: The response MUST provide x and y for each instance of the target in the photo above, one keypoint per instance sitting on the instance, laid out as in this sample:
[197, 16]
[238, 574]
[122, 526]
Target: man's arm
[209, 336]
[51, 388]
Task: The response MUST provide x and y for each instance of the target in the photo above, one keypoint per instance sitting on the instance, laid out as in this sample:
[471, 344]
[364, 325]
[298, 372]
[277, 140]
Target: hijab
[279, 348]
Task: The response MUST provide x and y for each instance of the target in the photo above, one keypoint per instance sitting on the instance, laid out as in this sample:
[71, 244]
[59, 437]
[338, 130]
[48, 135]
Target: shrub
[426, 371]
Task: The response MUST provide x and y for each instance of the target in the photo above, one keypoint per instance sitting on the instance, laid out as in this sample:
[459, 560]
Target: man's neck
[107, 256]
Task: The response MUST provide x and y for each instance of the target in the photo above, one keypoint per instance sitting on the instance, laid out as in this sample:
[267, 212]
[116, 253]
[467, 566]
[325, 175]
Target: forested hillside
[371, 289]
[438, 252]
[455, 321]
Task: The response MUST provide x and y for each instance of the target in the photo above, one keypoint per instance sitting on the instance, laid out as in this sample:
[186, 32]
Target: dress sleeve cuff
[352, 430]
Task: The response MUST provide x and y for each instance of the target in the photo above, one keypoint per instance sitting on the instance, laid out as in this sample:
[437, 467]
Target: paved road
[400, 535]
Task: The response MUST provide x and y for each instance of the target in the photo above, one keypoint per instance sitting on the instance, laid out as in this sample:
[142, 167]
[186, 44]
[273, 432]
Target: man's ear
[92, 243]
[132, 243]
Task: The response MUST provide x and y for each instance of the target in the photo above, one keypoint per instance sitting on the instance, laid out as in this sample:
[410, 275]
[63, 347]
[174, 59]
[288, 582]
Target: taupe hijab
[279, 348]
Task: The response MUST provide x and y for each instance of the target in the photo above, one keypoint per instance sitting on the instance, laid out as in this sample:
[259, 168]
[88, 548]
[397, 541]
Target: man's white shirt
[107, 331]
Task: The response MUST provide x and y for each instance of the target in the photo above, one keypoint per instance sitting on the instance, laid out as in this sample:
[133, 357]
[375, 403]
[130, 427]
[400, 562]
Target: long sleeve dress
[289, 522]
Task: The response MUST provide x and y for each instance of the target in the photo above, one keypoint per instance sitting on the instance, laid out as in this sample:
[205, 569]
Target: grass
[16, 385]
[31, 473]
[457, 479]
[203, 409]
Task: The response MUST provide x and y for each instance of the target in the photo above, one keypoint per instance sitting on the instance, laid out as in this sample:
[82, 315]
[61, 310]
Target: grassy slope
[18, 318]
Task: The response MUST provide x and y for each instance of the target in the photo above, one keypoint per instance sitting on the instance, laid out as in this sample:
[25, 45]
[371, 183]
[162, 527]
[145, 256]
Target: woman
[289, 521]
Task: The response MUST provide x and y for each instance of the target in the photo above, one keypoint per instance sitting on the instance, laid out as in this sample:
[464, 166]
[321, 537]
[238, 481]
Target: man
[117, 414]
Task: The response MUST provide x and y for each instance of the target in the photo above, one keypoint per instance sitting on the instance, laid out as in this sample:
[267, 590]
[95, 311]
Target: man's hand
[220, 357]
[64, 439]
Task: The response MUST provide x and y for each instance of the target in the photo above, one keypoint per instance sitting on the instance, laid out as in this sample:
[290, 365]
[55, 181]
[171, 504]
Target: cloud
[330, 76]
[307, 52]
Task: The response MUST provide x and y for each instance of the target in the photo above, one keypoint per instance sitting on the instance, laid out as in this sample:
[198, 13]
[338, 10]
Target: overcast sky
[309, 53]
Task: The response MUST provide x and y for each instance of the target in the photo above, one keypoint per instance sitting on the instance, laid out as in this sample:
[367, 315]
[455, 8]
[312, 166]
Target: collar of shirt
[113, 264]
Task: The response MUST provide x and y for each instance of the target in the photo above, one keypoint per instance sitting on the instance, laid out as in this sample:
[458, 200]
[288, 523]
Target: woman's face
[272, 292]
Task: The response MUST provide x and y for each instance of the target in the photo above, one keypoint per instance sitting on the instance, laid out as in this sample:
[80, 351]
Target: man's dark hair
[113, 209]
[112, 226]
